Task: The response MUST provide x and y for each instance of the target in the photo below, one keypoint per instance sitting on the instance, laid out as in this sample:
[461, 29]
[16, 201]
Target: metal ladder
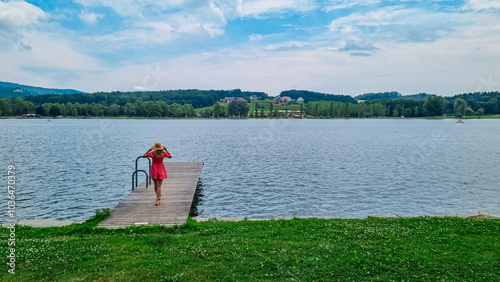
[148, 177]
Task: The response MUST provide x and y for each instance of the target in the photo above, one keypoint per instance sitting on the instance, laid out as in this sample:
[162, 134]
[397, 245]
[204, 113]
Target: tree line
[460, 105]
[433, 106]
[310, 96]
[197, 98]
[18, 106]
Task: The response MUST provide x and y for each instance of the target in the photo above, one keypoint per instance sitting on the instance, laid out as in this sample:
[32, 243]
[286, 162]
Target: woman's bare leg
[156, 184]
[158, 190]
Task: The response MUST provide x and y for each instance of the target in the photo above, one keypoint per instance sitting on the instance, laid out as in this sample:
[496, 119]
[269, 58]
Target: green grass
[298, 249]
[262, 103]
[266, 104]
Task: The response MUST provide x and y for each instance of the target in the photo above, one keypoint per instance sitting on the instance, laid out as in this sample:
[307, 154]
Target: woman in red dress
[158, 172]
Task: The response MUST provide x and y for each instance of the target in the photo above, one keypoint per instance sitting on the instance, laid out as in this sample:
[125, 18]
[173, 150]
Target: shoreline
[42, 223]
[228, 118]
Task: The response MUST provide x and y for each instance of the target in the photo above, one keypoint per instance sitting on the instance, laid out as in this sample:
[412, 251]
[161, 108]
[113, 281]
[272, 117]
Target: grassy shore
[298, 249]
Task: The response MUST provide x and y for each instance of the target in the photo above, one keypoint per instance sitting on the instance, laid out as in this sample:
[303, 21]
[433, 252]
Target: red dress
[157, 167]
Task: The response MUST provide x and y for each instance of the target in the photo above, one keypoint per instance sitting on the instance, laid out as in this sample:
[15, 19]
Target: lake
[68, 168]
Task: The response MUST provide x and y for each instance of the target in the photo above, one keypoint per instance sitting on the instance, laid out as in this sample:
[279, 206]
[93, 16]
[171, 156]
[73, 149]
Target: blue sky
[349, 47]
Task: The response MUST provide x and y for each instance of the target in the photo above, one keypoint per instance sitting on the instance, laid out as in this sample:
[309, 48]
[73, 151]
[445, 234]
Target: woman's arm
[167, 152]
[150, 149]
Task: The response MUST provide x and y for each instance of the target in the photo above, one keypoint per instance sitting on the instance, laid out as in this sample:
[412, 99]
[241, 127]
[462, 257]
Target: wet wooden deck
[177, 195]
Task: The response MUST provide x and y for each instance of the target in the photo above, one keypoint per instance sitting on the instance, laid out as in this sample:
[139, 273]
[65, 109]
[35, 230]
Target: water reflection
[197, 199]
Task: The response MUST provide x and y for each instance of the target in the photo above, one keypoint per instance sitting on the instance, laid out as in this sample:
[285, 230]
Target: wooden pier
[178, 190]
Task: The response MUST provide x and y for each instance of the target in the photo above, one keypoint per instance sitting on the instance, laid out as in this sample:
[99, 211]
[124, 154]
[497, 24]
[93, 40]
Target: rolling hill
[8, 89]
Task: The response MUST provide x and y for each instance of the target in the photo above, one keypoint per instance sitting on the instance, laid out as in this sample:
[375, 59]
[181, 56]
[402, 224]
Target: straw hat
[157, 146]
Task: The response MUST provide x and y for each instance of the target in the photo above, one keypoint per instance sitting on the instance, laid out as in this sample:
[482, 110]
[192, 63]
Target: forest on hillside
[182, 103]
[197, 98]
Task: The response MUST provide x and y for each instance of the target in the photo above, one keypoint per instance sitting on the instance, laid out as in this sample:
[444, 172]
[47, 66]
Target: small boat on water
[460, 121]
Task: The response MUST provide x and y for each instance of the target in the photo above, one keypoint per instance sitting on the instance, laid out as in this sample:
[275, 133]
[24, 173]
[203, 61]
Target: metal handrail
[149, 159]
[136, 183]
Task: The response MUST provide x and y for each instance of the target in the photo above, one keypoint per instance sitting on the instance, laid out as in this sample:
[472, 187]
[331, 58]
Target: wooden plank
[177, 195]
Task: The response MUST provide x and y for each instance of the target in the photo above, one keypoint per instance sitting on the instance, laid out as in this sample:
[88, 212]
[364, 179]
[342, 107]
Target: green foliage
[468, 111]
[459, 107]
[480, 112]
[315, 96]
[392, 95]
[98, 217]
[5, 107]
[55, 110]
[378, 96]
[191, 224]
[238, 109]
[434, 106]
[418, 97]
[339, 109]
[163, 104]
[220, 110]
[407, 112]
[197, 98]
[8, 89]
[395, 113]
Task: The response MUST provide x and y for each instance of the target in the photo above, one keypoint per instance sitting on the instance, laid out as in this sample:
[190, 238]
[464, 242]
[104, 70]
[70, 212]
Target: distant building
[299, 113]
[300, 99]
[241, 99]
[286, 99]
[253, 97]
[18, 90]
[229, 99]
[31, 114]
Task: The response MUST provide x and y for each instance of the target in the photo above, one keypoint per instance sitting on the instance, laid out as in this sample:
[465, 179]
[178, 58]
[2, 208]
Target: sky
[349, 47]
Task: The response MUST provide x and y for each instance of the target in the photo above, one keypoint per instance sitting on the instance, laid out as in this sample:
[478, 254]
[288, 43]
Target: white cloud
[365, 31]
[154, 22]
[52, 61]
[139, 88]
[449, 65]
[16, 14]
[336, 5]
[90, 18]
[256, 37]
[228, 8]
[186, 17]
[157, 31]
[146, 8]
[412, 50]
[483, 4]
[257, 8]
[379, 17]
[125, 8]
[286, 46]
[16, 19]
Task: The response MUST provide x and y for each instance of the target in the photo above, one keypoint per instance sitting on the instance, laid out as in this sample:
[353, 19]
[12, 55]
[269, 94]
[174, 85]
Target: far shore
[55, 222]
[237, 118]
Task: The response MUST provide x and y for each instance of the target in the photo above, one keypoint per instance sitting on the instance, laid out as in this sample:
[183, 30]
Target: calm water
[66, 169]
